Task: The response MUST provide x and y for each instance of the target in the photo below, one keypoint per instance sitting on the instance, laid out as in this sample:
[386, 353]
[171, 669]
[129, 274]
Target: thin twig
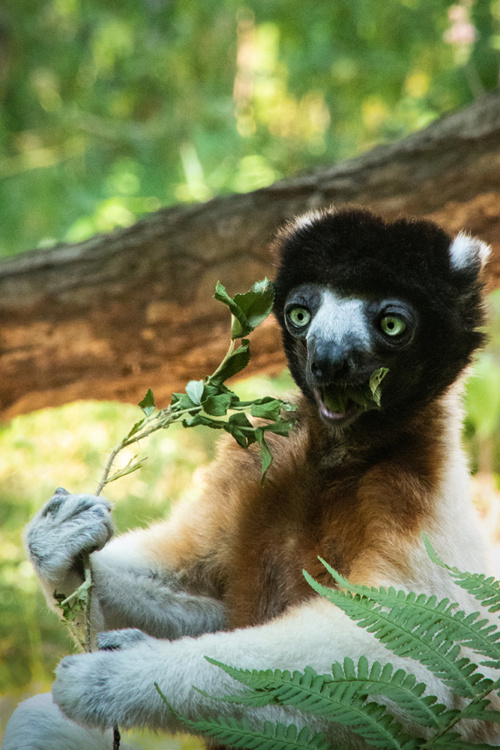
[116, 738]
[111, 459]
[88, 603]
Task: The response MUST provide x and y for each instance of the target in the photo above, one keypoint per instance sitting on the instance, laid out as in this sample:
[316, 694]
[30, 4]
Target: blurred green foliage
[111, 110]
[482, 404]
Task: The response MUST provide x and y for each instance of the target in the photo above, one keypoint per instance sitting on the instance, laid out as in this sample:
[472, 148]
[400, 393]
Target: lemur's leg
[38, 724]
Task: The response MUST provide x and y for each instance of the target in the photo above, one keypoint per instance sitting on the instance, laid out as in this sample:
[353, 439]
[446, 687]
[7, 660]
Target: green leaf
[217, 406]
[234, 364]
[240, 428]
[200, 419]
[481, 711]
[76, 602]
[212, 389]
[265, 453]
[334, 700]
[366, 396]
[283, 427]
[234, 733]
[399, 686]
[240, 325]
[375, 381]
[485, 589]
[194, 390]
[419, 627]
[421, 613]
[248, 310]
[148, 403]
[241, 420]
[135, 429]
[181, 401]
[266, 408]
[256, 305]
[453, 741]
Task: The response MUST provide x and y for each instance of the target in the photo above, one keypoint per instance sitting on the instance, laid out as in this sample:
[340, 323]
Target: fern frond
[239, 733]
[453, 741]
[333, 699]
[486, 589]
[399, 686]
[480, 710]
[402, 632]
[271, 737]
[426, 612]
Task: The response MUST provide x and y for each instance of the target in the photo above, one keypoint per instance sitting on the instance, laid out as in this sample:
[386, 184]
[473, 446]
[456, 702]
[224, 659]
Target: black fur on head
[358, 254]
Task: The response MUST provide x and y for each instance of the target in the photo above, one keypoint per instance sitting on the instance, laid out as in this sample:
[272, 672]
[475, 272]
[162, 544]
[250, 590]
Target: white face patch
[339, 319]
[466, 251]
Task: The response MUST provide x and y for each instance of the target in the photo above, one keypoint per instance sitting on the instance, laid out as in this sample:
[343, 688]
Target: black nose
[329, 362]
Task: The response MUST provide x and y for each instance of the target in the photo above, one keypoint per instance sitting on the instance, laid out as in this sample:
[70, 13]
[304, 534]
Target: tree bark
[117, 314]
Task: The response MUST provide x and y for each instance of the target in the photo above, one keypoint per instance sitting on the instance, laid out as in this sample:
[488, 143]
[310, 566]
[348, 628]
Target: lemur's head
[355, 294]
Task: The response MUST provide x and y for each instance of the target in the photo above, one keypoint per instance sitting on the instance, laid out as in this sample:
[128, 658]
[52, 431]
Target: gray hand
[65, 527]
[114, 685]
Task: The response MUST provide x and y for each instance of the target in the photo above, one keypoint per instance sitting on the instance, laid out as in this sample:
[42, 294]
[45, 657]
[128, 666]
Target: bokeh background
[109, 111]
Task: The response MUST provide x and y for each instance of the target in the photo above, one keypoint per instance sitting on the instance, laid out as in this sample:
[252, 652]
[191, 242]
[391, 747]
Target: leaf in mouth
[335, 401]
[366, 396]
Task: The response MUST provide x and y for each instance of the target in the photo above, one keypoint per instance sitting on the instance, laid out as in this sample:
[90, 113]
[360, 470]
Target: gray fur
[142, 598]
[38, 724]
[128, 592]
[66, 527]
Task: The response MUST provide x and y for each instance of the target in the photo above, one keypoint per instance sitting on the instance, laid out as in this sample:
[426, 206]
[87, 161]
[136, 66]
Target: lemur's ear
[468, 253]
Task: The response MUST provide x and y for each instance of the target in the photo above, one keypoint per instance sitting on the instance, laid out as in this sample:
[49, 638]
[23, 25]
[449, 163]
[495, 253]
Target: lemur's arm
[117, 684]
[133, 588]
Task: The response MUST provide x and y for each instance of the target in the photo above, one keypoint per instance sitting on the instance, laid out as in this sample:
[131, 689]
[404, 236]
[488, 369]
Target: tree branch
[117, 314]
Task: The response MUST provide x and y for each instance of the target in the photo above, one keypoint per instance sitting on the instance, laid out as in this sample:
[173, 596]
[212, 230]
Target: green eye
[299, 316]
[392, 325]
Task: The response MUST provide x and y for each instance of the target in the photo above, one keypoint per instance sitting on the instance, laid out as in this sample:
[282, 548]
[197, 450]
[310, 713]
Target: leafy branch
[210, 402]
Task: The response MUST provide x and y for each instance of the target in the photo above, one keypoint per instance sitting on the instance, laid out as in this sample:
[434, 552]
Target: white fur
[466, 251]
[65, 527]
[340, 319]
[132, 595]
[306, 220]
[118, 685]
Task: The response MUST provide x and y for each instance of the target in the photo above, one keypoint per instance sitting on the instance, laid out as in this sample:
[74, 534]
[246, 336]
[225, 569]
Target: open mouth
[336, 405]
[343, 404]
